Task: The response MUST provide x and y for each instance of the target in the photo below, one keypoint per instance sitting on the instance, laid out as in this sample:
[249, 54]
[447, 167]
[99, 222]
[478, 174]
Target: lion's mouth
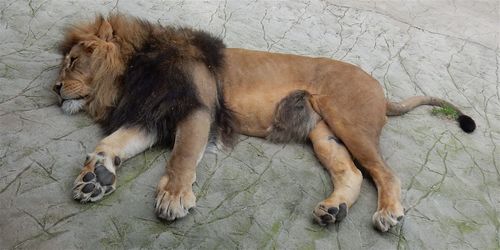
[73, 105]
[62, 100]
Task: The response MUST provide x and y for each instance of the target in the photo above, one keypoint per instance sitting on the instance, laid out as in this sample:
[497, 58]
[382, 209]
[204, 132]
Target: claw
[170, 205]
[384, 220]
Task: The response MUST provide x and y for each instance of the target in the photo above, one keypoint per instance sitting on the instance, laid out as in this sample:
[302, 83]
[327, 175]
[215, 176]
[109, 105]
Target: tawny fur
[336, 99]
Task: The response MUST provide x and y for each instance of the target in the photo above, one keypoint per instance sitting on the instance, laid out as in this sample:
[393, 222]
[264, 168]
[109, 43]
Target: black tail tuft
[466, 123]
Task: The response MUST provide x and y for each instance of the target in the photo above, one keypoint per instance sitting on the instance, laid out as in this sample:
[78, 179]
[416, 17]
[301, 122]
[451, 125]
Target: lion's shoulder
[158, 89]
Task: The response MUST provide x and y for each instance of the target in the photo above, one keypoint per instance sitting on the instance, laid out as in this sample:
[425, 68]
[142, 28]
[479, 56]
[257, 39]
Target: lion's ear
[89, 46]
[105, 31]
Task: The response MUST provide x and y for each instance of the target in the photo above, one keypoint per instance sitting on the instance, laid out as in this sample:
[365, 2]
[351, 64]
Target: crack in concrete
[424, 163]
[415, 27]
[48, 172]
[294, 23]
[115, 7]
[28, 87]
[356, 40]
[497, 76]
[118, 231]
[233, 194]
[434, 187]
[17, 177]
[71, 132]
[264, 30]
[226, 20]
[455, 83]
[340, 32]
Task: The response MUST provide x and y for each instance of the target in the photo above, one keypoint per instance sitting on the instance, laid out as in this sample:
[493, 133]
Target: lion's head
[92, 63]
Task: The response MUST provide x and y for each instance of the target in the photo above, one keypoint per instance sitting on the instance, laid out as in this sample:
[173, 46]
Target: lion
[147, 84]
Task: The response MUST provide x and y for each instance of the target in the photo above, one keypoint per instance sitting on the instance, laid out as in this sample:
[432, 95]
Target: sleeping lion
[149, 84]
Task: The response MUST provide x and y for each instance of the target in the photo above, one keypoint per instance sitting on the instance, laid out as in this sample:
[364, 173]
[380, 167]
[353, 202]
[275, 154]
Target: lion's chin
[72, 106]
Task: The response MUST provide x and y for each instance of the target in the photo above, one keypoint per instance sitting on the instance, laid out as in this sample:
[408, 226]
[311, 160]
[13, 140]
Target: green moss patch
[445, 111]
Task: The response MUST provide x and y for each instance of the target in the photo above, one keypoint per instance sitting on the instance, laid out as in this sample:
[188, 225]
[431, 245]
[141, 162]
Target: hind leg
[346, 178]
[359, 128]
[389, 210]
[364, 149]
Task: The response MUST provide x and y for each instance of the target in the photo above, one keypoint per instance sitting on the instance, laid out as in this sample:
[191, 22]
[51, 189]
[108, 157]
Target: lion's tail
[466, 123]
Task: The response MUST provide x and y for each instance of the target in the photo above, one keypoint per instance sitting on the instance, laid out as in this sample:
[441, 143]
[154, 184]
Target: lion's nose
[57, 88]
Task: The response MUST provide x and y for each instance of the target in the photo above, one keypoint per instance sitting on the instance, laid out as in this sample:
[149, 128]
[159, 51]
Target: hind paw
[386, 218]
[326, 213]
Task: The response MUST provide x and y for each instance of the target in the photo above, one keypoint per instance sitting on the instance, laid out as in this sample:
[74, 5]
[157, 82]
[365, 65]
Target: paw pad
[326, 215]
[104, 177]
[88, 177]
[92, 186]
[89, 187]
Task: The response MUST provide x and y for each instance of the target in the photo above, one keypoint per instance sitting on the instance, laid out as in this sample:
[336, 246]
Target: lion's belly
[254, 82]
[254, 105]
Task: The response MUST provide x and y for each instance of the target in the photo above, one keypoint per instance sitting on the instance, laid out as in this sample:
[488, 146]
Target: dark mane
[156, 88]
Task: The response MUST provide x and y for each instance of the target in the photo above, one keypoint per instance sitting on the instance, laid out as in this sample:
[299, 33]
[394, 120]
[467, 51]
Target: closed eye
[72, 61]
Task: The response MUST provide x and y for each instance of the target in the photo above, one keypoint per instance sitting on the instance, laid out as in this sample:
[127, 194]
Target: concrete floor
[261, 195]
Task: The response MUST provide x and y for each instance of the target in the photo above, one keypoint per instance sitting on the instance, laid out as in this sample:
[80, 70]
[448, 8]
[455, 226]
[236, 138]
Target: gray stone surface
[261, 195]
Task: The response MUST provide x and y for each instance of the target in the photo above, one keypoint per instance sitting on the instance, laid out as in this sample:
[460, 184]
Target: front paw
[95, 180]
[173, 201]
